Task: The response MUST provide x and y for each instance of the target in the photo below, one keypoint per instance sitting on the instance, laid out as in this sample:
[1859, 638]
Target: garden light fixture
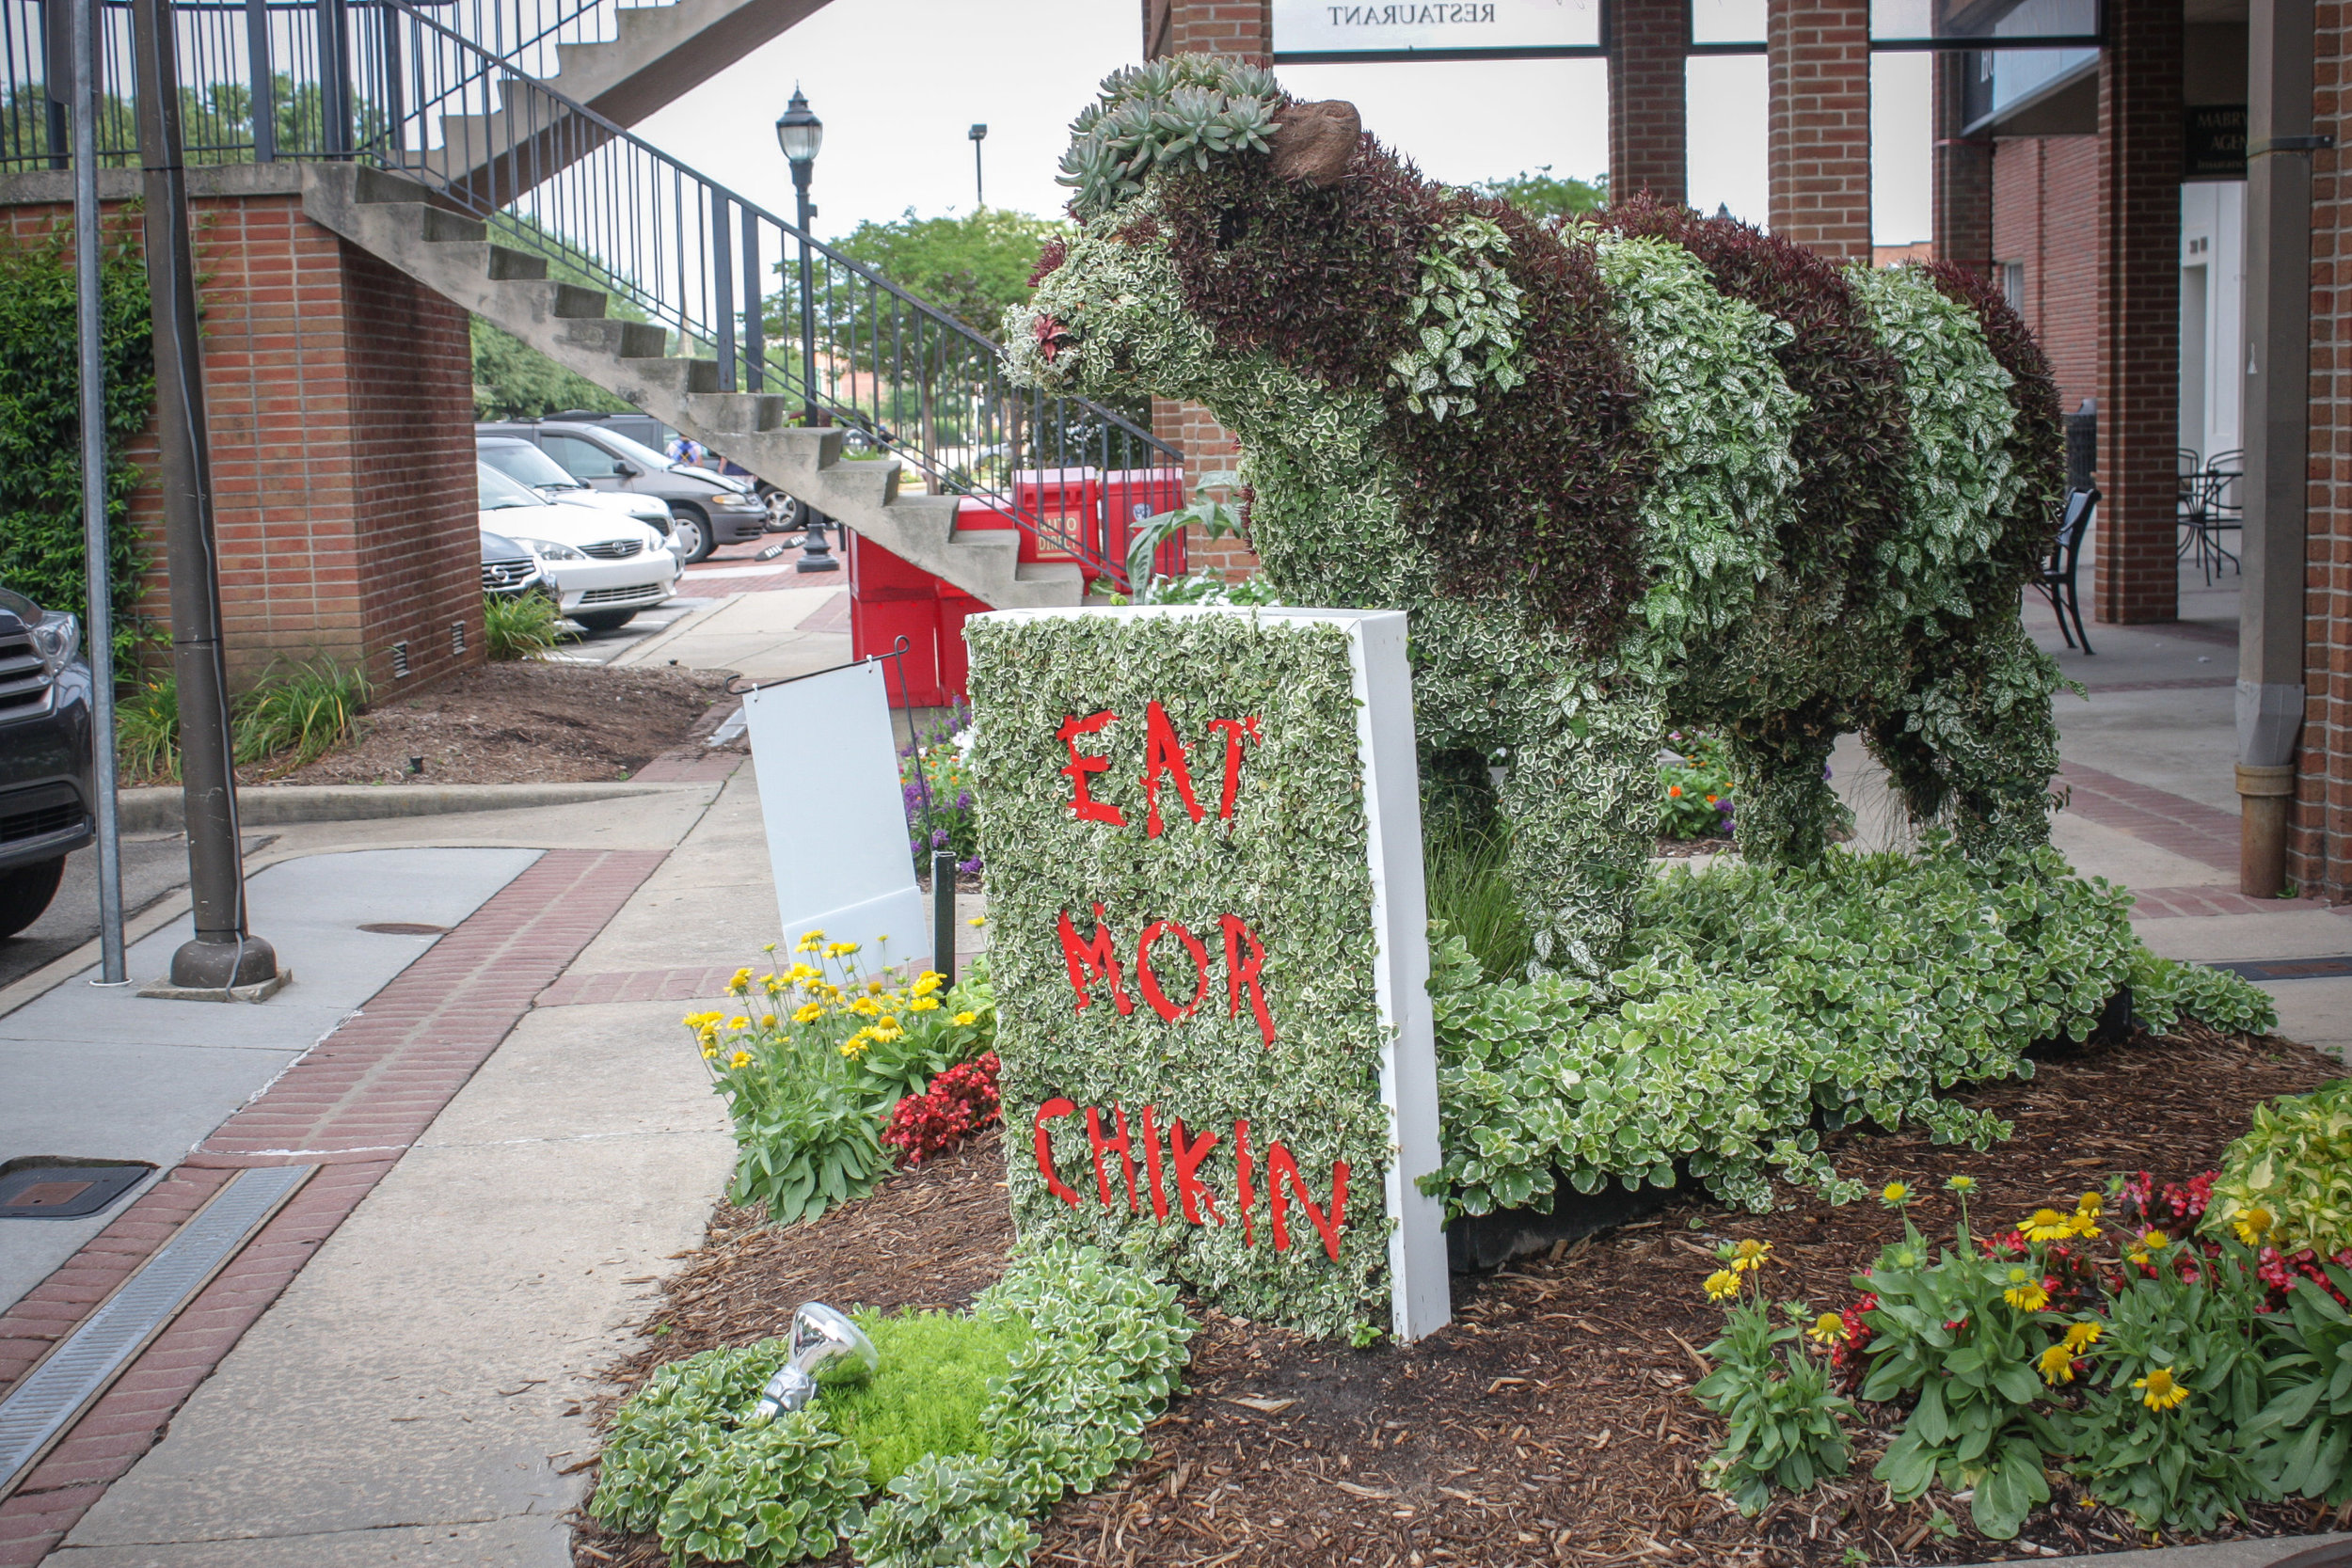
[819, 1334]
[800, 133]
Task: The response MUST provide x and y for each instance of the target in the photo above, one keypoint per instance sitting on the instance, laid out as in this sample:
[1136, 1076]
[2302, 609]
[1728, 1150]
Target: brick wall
[2319, 844]
[339, 404]
[1243, 28]
[2138, 245]
[1818, 124]
[1962, 174]
[2044, 199]
[1648, 108]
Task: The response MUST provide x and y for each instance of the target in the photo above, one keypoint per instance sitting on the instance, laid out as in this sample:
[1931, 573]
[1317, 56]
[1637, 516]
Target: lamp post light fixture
[819, 1334]
[978, 135]
[800, 133]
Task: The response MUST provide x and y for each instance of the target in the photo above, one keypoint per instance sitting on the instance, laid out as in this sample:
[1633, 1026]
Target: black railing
[384, 83]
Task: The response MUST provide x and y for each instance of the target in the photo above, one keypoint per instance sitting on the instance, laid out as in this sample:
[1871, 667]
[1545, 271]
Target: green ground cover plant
[2291, 1174]
[519, 626]
[972, 1425]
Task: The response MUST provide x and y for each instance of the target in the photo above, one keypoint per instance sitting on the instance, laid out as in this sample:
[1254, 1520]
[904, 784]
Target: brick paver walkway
[352, 1104]
[2165, 819]
[2167, 903]
[639, 985]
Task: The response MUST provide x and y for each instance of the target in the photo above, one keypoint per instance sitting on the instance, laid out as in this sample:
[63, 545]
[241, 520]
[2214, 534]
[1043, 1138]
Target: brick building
[340, 396]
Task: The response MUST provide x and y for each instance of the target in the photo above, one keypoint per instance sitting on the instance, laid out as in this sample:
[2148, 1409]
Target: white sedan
[602, 568]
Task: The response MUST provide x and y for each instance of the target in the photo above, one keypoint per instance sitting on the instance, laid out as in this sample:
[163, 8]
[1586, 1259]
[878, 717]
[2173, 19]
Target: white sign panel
[828, 766]
[1339, 29]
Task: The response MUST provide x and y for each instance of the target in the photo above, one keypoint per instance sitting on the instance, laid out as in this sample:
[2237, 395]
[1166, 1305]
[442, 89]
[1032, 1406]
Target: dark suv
[707, 510]
[48, 777]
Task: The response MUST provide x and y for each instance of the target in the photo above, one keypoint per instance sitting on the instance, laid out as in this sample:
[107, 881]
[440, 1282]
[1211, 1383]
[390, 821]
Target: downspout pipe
[2278, 366]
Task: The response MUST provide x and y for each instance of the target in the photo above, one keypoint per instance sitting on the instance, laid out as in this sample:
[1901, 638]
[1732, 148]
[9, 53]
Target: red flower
[962, 1102]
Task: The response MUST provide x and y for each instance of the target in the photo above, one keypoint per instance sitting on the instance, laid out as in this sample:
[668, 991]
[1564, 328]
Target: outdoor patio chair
[2057, 580]
[2220, 509]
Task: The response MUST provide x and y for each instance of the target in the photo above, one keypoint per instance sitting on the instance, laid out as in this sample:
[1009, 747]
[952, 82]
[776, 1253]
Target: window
[583, 460]
[2013, 285]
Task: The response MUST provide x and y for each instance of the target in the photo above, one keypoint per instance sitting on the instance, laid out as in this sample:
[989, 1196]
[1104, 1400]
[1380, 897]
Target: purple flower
[939, 838]
[963, 800]
[970, 867]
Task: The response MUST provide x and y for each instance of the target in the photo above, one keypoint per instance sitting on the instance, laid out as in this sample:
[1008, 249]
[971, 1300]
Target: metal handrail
[381, 82]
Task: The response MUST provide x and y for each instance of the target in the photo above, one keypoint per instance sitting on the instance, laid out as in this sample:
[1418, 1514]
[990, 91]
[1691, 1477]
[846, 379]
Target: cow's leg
[1973, 743]
[1579, 794]
[1785, 807]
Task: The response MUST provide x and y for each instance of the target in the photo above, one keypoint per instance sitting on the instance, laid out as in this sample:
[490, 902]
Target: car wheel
[604, 619]
[689, 528]
[786, 513]
[25, 891]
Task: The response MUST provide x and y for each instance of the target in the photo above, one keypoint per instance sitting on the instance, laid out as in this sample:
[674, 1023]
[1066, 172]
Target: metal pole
[100, 619]
[2271, 651]
[816, 554]
[942, 907]
[222, 954]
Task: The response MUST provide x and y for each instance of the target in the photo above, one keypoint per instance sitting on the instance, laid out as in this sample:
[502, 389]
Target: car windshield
[527, 464]
[644, 457]
[498, 491]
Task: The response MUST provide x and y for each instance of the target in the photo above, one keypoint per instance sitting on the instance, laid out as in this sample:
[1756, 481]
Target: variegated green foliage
[2294, 1164]
[1171, 111]
[1465, 320]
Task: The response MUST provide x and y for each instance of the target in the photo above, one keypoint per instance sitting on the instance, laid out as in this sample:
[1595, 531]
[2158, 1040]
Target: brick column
[1244, 29]
[1649, 109]
[1819, 131]
[1962, 172]
[2319, 837]
[2139, 243]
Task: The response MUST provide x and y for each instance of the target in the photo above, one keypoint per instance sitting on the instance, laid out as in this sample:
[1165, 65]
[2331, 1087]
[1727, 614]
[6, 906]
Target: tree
[514, 381]
[1546, 194]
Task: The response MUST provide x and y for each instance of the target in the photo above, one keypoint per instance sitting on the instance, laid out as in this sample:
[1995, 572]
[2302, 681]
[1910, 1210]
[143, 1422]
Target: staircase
[452, 253]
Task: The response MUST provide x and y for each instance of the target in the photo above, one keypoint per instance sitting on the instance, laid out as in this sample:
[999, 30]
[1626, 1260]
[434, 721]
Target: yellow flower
[967, 1019]
[1959, 1183]
[2150, 1242]
[839, 949]
[766, 1020]
[923, 1004]
[1895, 1195]
[1828, 1329]
[1721, 1285]
[740, 1059]
[2058, 1365]
[2160, 1389]
[2048, 1225]
[2090, 1203]
[2251, 1226]
[977, 920]
[700, 1020]
[812, 935]
[888, 1031]
[798, 973]
[865, 1006]
[2024, 1292]
[809, 1012]
[1750, 1255]
[856, 1042]
[875, 985]
[739, 1021]
[772, 984]
[929, 981]
[708, 1051]
[2081, 1337]
[741, 983]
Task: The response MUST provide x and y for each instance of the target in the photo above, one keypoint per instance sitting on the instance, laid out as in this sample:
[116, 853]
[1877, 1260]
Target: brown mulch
[1552, 1422]
[523, 721]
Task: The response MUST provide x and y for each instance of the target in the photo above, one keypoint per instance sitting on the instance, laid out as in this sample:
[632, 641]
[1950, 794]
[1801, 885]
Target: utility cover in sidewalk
[2288, 969]
[405, 928]
[50, 1187]
[47, 1400]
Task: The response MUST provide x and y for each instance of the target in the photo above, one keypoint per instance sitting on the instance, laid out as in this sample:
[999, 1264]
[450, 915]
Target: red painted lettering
[1188, 1156]
[1233, 730]
[1281, 1168]
[1052, 1109]
[1100, 958]
[1152, 1162]
[1240, 974]
[1163, 753]
[1148, 983]
[1241, 1157]
[1103, 1145]
[1088, 808]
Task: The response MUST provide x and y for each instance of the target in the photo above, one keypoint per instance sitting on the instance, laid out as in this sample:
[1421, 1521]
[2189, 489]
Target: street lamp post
[978, 135]
[800, 133]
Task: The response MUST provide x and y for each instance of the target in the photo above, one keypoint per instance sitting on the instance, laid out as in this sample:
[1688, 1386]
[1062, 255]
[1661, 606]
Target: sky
[899, 82]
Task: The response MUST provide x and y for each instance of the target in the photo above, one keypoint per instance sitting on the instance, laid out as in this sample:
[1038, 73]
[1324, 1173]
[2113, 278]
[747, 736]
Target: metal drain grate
[2288, 969]
[50, 1398]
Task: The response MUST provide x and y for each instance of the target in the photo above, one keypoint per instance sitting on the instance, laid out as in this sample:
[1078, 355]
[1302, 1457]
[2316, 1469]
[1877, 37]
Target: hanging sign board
[1209, 944]
[828, 766]
[1308, 31]
[2212, 142]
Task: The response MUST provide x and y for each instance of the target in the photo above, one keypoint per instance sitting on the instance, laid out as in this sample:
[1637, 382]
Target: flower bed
[1556, 1414]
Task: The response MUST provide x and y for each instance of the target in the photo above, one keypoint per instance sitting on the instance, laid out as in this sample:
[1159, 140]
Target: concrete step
[450, 253]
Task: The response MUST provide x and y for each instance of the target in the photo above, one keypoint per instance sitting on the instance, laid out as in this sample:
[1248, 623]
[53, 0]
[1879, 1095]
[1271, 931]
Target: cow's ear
[1316, 142]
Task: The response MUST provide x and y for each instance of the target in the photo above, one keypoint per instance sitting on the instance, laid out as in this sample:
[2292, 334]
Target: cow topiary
[1652, 470]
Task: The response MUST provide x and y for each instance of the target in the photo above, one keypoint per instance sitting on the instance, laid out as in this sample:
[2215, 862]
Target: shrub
[960, 1102]
[1471, 898]
[776, 1493]
[2290, 1176]
[147, 728]
[672, 1425]
[298, 715]
[519, 626]
[2303, 1434]
[925, 1394]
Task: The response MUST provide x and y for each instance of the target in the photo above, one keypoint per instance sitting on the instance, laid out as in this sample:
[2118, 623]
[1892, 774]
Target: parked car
[509, 570]
[518, 459]
[601, 569]
[707, 510]
[48, 775]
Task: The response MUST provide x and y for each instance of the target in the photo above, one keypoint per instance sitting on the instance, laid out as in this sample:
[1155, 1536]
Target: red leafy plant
[962, 1101]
